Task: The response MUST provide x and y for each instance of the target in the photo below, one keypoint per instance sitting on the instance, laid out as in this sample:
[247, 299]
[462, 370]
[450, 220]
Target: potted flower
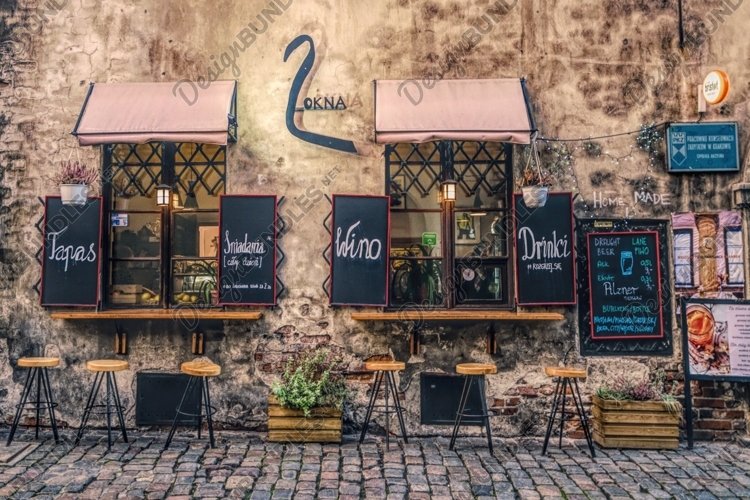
[306, 405]
[533, 183]
[75, 180]
[636, 413]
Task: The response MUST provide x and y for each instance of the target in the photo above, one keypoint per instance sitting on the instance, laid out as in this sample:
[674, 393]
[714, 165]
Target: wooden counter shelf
[165, 314]
[453, 315]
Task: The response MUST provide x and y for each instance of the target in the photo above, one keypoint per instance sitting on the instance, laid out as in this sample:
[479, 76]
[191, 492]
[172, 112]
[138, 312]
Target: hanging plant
[75, 179]
[533, 182]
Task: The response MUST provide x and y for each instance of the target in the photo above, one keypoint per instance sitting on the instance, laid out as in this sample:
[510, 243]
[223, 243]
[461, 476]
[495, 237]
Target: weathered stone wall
[593, 68]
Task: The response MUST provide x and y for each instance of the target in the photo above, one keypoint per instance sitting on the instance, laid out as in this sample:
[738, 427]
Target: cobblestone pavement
[244, 466]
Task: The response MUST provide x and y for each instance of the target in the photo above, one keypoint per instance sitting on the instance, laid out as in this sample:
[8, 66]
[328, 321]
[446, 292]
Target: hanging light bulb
[476, 210]
[191, 201]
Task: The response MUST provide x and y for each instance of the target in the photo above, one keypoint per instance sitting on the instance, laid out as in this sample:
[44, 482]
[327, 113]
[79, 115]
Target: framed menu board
[247, 250]
[545, 258]
[360, 248]
[71, 256]
[625, 290]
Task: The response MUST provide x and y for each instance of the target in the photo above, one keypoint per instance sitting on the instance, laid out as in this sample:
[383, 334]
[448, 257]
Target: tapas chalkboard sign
[625, 290]
[545, 260]
[247, 250]
[71, 257]
[360, 250]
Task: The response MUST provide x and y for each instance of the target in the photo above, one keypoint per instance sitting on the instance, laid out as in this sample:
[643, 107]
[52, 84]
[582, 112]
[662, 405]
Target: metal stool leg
[481, 382]
[461, 407]
[209, 412]
[201, 404]
[50, 403]
[19, 410]
[109, 410]
[562, 413]
[118, 407]
[397, 404]
[177, 413]
[582, 415]
[38, 374]
[373, 397]
[387, 416]
[89, 405]
[552, 414]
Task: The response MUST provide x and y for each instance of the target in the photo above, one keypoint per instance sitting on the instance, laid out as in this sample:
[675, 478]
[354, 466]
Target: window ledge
[456, 316]
[165, 314]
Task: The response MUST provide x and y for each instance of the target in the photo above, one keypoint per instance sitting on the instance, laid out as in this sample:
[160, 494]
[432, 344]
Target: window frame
[167, 257]
[734, 229]
[691, 262]
[451, 263]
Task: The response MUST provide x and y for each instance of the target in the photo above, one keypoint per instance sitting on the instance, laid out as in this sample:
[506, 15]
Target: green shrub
[312, 379]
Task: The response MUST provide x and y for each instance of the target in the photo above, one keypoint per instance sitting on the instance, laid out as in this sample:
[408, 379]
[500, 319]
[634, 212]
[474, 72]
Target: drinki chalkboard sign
[545, 260]
[624, 281]
[360, 250]
[71, 257]
[624, 290]
[247, 250]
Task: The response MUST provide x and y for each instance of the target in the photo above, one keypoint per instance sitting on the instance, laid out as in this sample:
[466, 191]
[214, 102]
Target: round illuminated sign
[716, 87]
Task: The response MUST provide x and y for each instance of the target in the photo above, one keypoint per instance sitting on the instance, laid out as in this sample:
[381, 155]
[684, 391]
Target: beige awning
[474, 110]
[136, 113]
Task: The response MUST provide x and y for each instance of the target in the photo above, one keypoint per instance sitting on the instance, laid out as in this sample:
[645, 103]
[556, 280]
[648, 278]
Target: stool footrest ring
[187, 414]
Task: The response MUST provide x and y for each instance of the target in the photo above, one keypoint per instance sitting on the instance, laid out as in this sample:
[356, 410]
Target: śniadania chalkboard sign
[360, 250]
[625, 288]
[545, 260]
[71, 257]
[247, 250]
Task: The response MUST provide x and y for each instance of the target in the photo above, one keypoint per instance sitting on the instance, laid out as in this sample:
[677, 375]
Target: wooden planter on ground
[291, 426]
[635, 424]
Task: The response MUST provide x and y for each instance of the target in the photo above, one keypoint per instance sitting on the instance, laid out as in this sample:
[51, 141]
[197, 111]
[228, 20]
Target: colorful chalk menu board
[247, 250]
[625, 290]
[359, 250]
[545, 260]
[71, 257]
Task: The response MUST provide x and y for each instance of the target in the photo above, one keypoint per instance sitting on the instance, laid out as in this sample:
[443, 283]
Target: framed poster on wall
[624, 287]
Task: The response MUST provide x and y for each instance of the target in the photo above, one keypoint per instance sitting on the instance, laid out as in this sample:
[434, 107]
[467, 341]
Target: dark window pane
[481, 235]
[477, 282]
[137, 235]
[416, 282]
[407, 229]
[195, 234]
[135, 283]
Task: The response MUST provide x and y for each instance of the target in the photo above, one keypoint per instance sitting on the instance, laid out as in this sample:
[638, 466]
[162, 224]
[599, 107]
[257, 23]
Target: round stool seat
[107, 365]
[38, 362]
[564, 371]
[385, 366]
[200, 368]
[476, 369]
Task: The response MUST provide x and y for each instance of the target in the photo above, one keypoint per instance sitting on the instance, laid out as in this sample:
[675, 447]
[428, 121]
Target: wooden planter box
[635, 424]
[291, 426]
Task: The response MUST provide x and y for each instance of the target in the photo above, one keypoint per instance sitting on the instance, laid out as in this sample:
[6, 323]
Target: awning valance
[474, 110]
[136, 113]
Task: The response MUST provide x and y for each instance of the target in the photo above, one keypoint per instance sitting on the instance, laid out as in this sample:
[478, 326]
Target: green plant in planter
[312, 379]
[645, 389]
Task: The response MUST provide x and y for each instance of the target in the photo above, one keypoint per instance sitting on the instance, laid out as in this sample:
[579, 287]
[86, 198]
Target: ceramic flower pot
[74, 194]
[535, 196]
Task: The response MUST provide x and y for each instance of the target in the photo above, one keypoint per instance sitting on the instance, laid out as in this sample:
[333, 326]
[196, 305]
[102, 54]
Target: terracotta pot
[74, 194]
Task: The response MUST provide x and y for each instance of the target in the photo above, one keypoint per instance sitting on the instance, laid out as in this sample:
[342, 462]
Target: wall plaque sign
[703, 147]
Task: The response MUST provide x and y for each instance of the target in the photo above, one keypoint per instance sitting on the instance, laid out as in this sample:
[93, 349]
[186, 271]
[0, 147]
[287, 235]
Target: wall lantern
[741, 194]
[163, 195]
[448, 190]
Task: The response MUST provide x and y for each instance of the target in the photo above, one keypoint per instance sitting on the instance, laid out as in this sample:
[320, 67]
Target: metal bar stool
[473, 373]
[202, 369]
[39, 374]
[104, 369]
[567, 378]
[385, 370]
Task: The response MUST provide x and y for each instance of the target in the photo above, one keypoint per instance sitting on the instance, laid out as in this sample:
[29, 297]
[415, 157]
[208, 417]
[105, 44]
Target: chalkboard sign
[247, 250]
[625, 290]
[71, 257]
[359, 250]
[545, 260]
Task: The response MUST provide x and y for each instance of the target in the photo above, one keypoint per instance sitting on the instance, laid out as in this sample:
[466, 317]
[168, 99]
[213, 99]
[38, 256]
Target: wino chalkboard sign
[247, 250]
[71, 257]
[360, 248]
